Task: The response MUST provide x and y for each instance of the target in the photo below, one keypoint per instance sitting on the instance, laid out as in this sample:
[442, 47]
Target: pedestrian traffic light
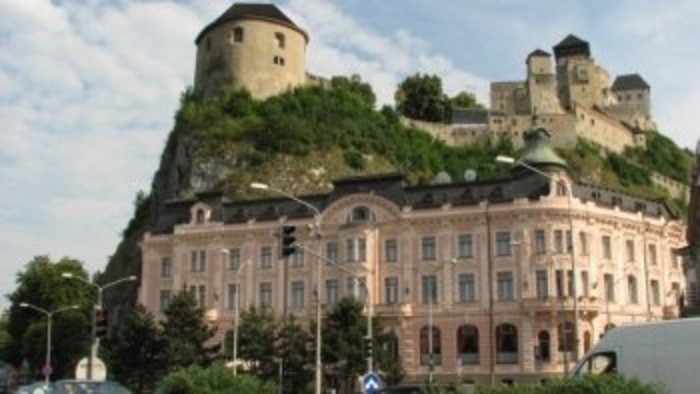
[101, 323]
[287, 240]
[367, 346]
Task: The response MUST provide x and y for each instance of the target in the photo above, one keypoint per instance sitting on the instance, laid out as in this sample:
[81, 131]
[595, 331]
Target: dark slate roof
[477, 116]
[268, 12]
[538, 53]
[570, 46]
[629, 82]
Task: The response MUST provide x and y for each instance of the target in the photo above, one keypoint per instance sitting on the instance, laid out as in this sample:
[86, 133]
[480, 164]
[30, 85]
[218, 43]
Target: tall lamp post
[431, 299]
[317, 233]
[49, 317]
[236, 311]
[94, 341]
[569, 193]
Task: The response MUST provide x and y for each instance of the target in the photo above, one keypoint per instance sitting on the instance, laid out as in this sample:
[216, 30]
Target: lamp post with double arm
[236, 301]
[569, 196]
[49, 317]
[94, 340]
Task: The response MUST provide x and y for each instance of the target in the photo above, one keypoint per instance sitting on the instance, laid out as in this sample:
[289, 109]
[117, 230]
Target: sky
[88, 88]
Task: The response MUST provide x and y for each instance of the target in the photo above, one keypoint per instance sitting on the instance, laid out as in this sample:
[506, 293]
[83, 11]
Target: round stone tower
[251, 46]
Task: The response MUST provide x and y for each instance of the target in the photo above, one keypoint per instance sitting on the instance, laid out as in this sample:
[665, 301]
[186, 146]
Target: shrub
[213, 380]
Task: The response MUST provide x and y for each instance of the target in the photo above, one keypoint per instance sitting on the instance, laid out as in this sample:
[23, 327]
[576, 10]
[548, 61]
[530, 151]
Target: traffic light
[367, 346]
[287, 241]
[101, 322]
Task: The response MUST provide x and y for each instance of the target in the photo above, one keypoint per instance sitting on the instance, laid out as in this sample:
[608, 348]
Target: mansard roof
[239, 11]
[629, 82]
[572, 46]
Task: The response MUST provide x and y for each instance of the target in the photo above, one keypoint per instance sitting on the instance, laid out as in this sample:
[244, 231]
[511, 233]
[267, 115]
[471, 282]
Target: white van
[666, 352]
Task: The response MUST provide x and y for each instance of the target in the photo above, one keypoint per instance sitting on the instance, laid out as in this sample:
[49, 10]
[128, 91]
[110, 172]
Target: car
[88, 387]
[34, 388]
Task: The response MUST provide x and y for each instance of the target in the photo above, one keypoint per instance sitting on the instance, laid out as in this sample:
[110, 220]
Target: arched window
[506, 344]
[391, 345]
[468, 344]
[199, 216]
[543, 343]
[586, 341]
[425, 346]
[361, 214]
[567, 341]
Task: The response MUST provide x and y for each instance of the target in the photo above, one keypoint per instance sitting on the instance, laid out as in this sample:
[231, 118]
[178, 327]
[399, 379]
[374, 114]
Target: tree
[465, 100]
[420, 96]
[42, 285]
[213, 380]
[294, 350]
[136, 352]
[186, 333]
[256, 341]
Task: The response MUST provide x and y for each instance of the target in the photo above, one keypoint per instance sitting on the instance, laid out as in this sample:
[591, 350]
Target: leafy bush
[664, 156]
[213, 380]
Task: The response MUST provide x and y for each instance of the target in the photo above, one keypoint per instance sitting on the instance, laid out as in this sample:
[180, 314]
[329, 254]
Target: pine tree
[186, 333]
[256, 342]
[294, 351]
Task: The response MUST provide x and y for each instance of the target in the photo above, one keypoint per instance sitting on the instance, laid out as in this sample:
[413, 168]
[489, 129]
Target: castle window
[279, 40]
[238, 34]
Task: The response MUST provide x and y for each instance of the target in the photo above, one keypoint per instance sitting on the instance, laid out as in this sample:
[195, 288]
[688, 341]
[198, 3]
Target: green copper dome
[538, 150]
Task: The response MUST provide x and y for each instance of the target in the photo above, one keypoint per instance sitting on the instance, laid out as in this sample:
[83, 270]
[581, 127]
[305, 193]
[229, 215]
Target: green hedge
[213, 380]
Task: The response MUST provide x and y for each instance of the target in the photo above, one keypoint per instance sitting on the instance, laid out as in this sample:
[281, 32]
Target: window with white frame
[559, 282]
[232, 295]
[465, 246]
[609, 282]
[584, 283]
[361, 249]
[583, 240]
[200, 295]
[350, 250]
[428, 248]
[332, 251]
[331, 291]
[166, 267]
[429, 288]
[198, 260]
[265, 295]
[165, 298]
[391, 290]
[558, 241]
[632, 289]
[653, 260]
[505, 286]
[297, 258]
[503, 243]
[629, 247]
[655, 292]
[266, 257]
[297, 294]
[607, 246]
[391, 251]
[234, 259]
[570, 282]
[467, 288]
[540, 242]
[541, 283]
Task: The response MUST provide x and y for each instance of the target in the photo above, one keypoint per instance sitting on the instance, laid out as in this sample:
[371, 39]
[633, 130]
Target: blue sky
[88, 88]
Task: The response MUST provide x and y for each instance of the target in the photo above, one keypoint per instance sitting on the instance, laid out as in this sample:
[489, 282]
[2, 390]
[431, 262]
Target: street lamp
[569, 193]
[319, 267]
[431, 296]
[94, 341]
[49, 316]
[236, 309]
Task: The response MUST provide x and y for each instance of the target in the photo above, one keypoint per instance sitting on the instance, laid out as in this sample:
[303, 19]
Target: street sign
[46, 370]
[371, 383]
[99, 370]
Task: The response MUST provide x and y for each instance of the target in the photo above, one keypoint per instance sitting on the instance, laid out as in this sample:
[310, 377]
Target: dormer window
[561, 189]
[200, 213]
[361, 214]
[279, 40]
[200, 216]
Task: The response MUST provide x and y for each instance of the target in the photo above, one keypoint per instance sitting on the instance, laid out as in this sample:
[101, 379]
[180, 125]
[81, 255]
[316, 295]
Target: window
[570, 282]
[542, 350]
[430, 350]
[674, 259]
[599, 364]
[652, 254]
[331, 292]
[503, 244]
[541, 284]
[655, 292]
[297, 258]
[297, 294]
[505, 286]
[506, 344]
[561, 189]
[391, 252]
[199, 216]
[265, 295]
[357, 288]
[391, 290]
[233, 296]
[466, 287]
[629, 247]
[361, 249]
[468, 344]
[165, 298]
[558, 241]
[583, 240]
[584, 283]
[166, 267]
[560, 283]
[279, 40]
[198, 260]
[632, 289]
[428, 248]
[607, 247]
[332, 251]
[466, 247]
[429, 288]
[361, 214]
[200, 295]
[238, 34]
[266, 257]
[540, 242]
[350, 250]
[609, 282]
[234, 259]
[567, 340]
[569, 242]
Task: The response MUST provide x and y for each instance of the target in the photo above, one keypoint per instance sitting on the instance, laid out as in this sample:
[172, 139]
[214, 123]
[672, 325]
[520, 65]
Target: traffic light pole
[94, 341]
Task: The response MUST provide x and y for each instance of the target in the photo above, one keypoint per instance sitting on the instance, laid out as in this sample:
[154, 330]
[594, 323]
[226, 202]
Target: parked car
[34, 388]
[88, 387]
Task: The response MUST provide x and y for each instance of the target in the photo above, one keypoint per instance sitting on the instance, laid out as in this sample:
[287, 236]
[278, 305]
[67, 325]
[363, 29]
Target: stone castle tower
[251, 46]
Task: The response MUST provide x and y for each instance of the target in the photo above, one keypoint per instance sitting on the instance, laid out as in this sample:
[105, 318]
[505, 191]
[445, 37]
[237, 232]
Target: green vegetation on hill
[663, 156]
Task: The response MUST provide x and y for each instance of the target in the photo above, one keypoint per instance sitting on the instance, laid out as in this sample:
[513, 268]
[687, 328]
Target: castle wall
[675, 189]
[603, 130]
[509, 97]
[632, 107]
[259, 62]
